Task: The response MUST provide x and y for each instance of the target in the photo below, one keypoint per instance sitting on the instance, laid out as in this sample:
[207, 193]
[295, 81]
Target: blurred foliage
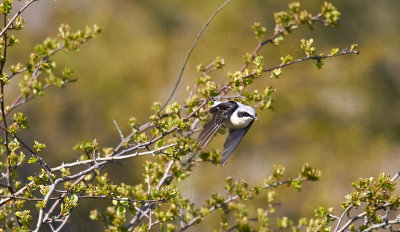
[342, 118]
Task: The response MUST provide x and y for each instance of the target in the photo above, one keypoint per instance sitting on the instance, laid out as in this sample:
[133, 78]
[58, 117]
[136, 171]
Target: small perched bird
[234, 115]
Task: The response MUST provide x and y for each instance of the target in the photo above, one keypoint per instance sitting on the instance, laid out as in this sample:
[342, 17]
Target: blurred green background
[342, 119]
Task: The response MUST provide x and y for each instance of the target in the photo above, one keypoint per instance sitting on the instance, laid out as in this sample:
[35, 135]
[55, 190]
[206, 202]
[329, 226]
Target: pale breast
[235, 122]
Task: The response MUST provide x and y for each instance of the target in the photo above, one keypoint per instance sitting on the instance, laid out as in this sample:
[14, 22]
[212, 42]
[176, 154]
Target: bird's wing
[232, 141]
[219, 113]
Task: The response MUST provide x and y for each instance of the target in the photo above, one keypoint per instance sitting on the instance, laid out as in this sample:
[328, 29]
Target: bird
[236, 116]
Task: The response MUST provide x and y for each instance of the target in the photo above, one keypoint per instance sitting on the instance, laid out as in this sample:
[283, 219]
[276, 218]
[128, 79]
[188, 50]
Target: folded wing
[219, 113]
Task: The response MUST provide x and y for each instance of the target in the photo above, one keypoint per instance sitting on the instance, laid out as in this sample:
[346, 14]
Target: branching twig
[64, 221]
[342, 216]
[46, 198]
[273, 37]
[33, 153]
[147, 207]
[355, 218]
[111, 158]
[383, 224]
[20, 99]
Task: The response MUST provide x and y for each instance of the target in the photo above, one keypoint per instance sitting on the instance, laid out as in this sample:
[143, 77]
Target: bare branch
[119, 130]
[46, 199]
[395, 176]
[15, 17]
[361, 215]
[190, 52]
[64, 221]
[148, 207]
[342, 216]
[385, 224]
[111, 158]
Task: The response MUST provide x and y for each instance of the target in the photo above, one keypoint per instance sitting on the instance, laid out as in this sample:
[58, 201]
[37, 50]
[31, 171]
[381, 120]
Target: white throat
[236, 122]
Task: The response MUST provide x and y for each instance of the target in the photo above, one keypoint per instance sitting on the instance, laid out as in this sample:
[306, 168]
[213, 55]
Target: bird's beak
[255, 118]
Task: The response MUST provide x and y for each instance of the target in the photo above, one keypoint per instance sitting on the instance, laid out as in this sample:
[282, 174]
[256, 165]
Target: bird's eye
[243, 114]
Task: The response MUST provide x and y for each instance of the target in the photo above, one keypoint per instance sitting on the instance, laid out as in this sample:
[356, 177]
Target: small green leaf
[38, 147]
[259, 30]
[334, 51]
[32, 160]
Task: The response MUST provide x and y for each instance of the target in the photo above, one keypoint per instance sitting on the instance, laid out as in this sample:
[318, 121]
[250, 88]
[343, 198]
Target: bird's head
[246, 113]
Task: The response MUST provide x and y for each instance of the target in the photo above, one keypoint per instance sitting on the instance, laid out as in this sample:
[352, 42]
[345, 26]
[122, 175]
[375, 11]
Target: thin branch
[111, 158]
[20, 99]
[3, 115]
[63, 223]
[166, 175]
[58, 201]
[261, 44]
[395, 176]
[343, 52]
[123, 142]
[119, 130]
[383, 225]
[190, 52]
[44, 165]
[46, 198]
[342, 216]
[148, 207]
[6, 27]
[346, 51]
[17, 193]
[361, 215]
[84, 197]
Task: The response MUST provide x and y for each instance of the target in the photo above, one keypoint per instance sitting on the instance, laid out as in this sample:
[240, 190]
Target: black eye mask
[242, 114]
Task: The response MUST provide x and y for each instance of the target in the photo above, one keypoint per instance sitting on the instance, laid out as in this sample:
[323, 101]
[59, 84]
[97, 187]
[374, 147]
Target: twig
[15, 17]
[47, 197]
[190, 52]
[343, 52]
[58, 201]
[3, 114]
[273, 37]
[147, 207]
[111, 158]
[342, 216]
[119, 130]
[355, 218]
[346, 51]
[19, 100]
[395, 176]
[166, 175]
[40, 160]
[383, 224]
[83, 197]
[122, 143]
[63, 223]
